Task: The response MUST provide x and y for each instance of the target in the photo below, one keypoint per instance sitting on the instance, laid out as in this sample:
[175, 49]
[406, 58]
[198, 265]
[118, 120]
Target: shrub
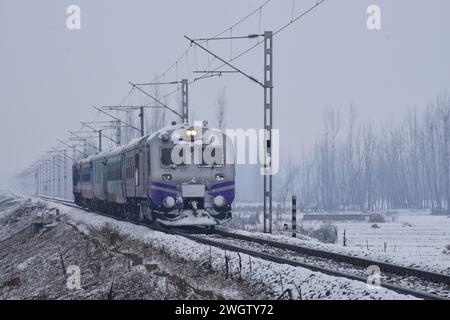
[447, 249]
[111, 233]
[326, 232]
[377, 217]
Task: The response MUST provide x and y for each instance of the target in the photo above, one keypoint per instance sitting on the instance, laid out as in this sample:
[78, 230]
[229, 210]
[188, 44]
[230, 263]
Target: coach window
[136, 169]
[148, 162]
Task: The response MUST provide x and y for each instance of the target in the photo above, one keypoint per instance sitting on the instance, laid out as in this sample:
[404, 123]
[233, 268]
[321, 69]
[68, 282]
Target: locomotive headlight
[166, 177]
[219, 201]
[169, 202]
[191, 132]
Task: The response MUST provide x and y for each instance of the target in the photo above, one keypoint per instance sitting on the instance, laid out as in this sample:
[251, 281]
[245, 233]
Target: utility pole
[53, 180]
[99, 140]
[184, 96]
[85, 139]
[44, 180]
[159, 103]
[112, 124]
[36, 180]
[74, 153]
[141, 130]
[43, 190]
[66, 195]
[49, 180]
[141, 115]
[118, 133]
[40, 178]
[58, 158]
[101, 135]
[62, 170]
[184, 101]
[268, 112]
[126, 108]
[268, 124]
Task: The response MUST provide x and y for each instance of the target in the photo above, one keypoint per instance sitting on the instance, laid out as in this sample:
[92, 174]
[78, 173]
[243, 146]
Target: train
[180, 175]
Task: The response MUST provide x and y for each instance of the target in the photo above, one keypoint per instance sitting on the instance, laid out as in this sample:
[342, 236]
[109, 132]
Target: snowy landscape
[209, 151]
[410, 238]
[91, 235]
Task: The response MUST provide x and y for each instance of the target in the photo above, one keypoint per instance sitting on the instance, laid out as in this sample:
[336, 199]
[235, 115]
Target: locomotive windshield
[166, 157]
[212, 155]
[208, 156]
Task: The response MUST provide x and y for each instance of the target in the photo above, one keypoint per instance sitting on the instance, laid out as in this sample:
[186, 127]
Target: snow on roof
[133, 143]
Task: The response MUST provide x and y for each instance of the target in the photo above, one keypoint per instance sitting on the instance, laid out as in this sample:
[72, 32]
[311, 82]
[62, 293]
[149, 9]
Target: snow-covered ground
[408, 238]
[271, 278]
[312, 285]
[416, 238]
[35, 265]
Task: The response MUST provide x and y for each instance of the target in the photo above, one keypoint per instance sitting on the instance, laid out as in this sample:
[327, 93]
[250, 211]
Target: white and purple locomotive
[182, 175]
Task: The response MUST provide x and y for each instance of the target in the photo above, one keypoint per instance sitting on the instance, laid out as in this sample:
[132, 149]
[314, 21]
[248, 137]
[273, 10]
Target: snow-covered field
[416, 237]
[409, 238]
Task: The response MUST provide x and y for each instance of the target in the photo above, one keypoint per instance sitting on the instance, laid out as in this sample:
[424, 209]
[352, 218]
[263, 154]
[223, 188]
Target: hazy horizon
[51, 76]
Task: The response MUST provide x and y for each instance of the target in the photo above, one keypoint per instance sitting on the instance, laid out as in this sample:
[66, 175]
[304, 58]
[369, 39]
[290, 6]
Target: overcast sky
[51, 76]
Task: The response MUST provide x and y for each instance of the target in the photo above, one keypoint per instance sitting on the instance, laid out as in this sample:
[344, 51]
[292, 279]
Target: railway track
[330, 263]
[357, 261]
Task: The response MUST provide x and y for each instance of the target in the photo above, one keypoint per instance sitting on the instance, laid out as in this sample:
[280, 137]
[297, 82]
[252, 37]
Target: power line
[240, 21]
[297, 18]
[225, 62]
[318, 3]
[243, 19]
[155, 99]
[185, 52]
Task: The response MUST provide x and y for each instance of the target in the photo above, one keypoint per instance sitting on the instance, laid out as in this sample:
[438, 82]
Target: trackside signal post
[294, 216]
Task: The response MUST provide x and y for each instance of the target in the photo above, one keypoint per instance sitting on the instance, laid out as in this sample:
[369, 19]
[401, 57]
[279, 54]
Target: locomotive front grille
[193, 190]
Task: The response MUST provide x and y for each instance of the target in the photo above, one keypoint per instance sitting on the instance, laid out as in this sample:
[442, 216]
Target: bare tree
[155, 118]
[443, 105]
[286, 180]
[221, 109]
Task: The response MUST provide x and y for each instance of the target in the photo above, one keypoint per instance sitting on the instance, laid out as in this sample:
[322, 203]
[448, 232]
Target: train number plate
[193, 190]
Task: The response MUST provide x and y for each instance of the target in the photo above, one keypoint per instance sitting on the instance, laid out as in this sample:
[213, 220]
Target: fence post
[294, 216]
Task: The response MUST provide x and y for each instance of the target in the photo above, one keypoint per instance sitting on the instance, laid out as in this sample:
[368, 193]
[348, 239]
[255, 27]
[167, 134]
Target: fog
[50, 77]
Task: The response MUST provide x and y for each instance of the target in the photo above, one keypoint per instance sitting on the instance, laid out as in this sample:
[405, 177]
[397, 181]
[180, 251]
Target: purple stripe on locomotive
[158, 195]
[164, 185]
[221, 185]
[228, 194]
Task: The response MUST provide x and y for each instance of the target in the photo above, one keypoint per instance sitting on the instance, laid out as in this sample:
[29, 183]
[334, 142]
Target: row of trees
[403, 165]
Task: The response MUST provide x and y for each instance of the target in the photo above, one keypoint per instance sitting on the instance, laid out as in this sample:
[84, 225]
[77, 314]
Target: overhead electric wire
[304, 13]
[297, 18]
[185, 52]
